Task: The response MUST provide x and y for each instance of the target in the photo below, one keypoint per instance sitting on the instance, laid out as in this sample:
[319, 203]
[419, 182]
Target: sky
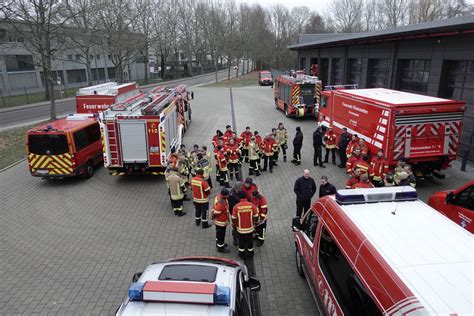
[315, 5]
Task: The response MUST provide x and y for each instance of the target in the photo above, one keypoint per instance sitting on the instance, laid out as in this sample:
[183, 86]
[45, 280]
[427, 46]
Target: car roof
[225, 276]
[66, 124]
[430, 254]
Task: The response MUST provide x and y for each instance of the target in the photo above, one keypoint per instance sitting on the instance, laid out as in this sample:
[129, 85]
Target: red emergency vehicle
[100, 97]
[138, 135]
[298, 95]
[265, 78]
[383, 251]
[457, 205]
[64, 148]
[423, 129]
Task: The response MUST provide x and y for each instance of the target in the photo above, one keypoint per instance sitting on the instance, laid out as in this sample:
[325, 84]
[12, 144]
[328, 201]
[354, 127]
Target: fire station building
[433, 58]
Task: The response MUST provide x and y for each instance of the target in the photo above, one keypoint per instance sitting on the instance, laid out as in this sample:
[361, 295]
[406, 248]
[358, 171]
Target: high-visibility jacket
[253, 151]
[201, 189]
[364, 168]
[262, 207]
[249, 190]
[351, 163]
[244, 217]
[353, 144]
[222, 161]
[380, 168]
[220, 211]
[175, 186]
[282, 136]
[227, 136]
[363, 185]
[205, 165]
[233, 153]
[330, 140]
[353, 180]
[269, 146]
[245, 136]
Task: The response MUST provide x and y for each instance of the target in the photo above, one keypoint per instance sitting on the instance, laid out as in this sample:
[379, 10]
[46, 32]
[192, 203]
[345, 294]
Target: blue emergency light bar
[393, 194]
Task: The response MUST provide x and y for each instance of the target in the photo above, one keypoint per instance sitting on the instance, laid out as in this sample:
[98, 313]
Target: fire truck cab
[65, 148]
[424, 130]
[298, 95]
[383, 251]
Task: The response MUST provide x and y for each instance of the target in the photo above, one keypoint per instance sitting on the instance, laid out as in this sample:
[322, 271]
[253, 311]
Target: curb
[13, 164]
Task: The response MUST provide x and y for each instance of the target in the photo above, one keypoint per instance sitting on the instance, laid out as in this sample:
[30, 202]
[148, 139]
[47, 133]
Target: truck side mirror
[450, 198]
[296, 224]
[192, 95]
[136, 276]
[253, 284]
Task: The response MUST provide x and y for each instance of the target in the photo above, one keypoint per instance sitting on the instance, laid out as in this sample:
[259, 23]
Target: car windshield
[188, 272]
[47, 144]
[265, 75]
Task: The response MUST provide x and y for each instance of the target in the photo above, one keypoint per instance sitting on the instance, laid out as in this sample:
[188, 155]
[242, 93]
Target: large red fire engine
[297, 95]
[100, 97]
[423, 129]
[384, 252]
[138, 135]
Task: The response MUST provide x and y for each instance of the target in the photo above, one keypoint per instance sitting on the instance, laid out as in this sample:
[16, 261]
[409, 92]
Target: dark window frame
[413, 75]
[378, 73]
[354, 71]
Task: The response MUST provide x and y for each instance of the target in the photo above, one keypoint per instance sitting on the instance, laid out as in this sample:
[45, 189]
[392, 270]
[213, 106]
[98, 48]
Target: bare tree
[299, 18]
[347, 15]
[39, 24]
[143, 24]
[316, 24]
[280, 27]
[394, 12]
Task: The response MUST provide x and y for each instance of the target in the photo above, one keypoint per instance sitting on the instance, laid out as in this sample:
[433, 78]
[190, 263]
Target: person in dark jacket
[344, 140]
[317, 144]
[305, 188]
[326, 188]
[233, 199]
[297, 144]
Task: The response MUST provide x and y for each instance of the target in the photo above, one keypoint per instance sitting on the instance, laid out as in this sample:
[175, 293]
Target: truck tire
[89, 170]
[299, 263]
[287, 113]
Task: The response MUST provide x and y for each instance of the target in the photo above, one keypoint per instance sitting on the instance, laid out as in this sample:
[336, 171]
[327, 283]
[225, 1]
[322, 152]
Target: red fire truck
[423, 129]
[384, 252]
[100, 97]
[138, 135]
[298, 95]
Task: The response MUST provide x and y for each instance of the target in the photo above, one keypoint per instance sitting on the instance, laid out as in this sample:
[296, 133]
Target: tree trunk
[163, 66]
[89, 72]
[248, 65]
[145, 67]
[228, 70]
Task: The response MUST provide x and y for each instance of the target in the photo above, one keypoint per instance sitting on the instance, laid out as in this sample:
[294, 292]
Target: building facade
[432, 58]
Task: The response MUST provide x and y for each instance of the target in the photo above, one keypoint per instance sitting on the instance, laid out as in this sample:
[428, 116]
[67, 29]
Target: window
[69, 57]
[336, 71]
[310, 224]
[378, 73]
[86, 136]
[3, 36]
[413, 75]
[57, 76]
[76, 75]
[188, 272]
[354, 70]
[78, 57]
[302, 63]
[324, 101]
[47, 144]
[110, 56]
[19, 62]
[324, 71]
[349, 291]
[111, 73]
[91, 56]
[465, 198]
[98, 74]
[97, 56]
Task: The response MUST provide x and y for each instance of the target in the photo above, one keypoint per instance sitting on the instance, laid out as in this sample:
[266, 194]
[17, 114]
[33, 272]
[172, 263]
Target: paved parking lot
[72, 246]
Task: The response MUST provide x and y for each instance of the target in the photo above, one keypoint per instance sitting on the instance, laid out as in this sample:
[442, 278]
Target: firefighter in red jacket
[261, 226]
[364, 183]
[330, 143]
[220, 143]
[201, 192]
[352, 161]
[227, 134]
[223, 170]
[249, 187]
[380, 167]
[353, 179]
[216, 138]
[245, 137]
[233, 158]
[353, 144]
[244, 217]
[258, 141]
[364, 166]
[220, 215]
[364, 150]
[269, 148]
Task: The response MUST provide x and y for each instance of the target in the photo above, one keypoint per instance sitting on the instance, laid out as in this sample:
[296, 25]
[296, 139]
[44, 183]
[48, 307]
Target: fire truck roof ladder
[160, 103]
[341, 87]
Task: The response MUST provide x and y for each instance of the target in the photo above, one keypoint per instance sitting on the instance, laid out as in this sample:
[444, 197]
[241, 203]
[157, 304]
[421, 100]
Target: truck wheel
[89, 170]
[287, 113]
[299, 264]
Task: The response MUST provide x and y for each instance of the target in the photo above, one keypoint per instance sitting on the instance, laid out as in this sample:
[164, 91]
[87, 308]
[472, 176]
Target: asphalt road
[17, 117]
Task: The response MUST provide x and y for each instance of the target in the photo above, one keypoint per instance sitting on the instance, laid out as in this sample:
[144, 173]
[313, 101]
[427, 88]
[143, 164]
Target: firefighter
[220, 215]
[317, 146]
[261, 226]
[297, 144]
[227, 134]
[248, 187]
[352, 161]
[233, 199]
[254, 158]
[282, 139]
[244, 217]
[245, 137]
[275, 157]
[173, 159]
[364, 182]
[389, 179]
[233, 156]
[344, 140]
[201, 192]
[184, 174]
[410, 178]
[354, 178]
[353, 144]
[364, 150]
[176, 192]
[206, 152]
[364, 166]
[217, 137]
[399, 169]
[194, 157]
[205, 165]
[220, 143]
[223, 170]
[330, 143]
[380, 168]
[258, 141]
[269, 147]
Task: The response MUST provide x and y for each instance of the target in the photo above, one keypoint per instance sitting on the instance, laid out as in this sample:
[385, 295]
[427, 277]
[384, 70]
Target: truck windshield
[47, 144]
[265, 75]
